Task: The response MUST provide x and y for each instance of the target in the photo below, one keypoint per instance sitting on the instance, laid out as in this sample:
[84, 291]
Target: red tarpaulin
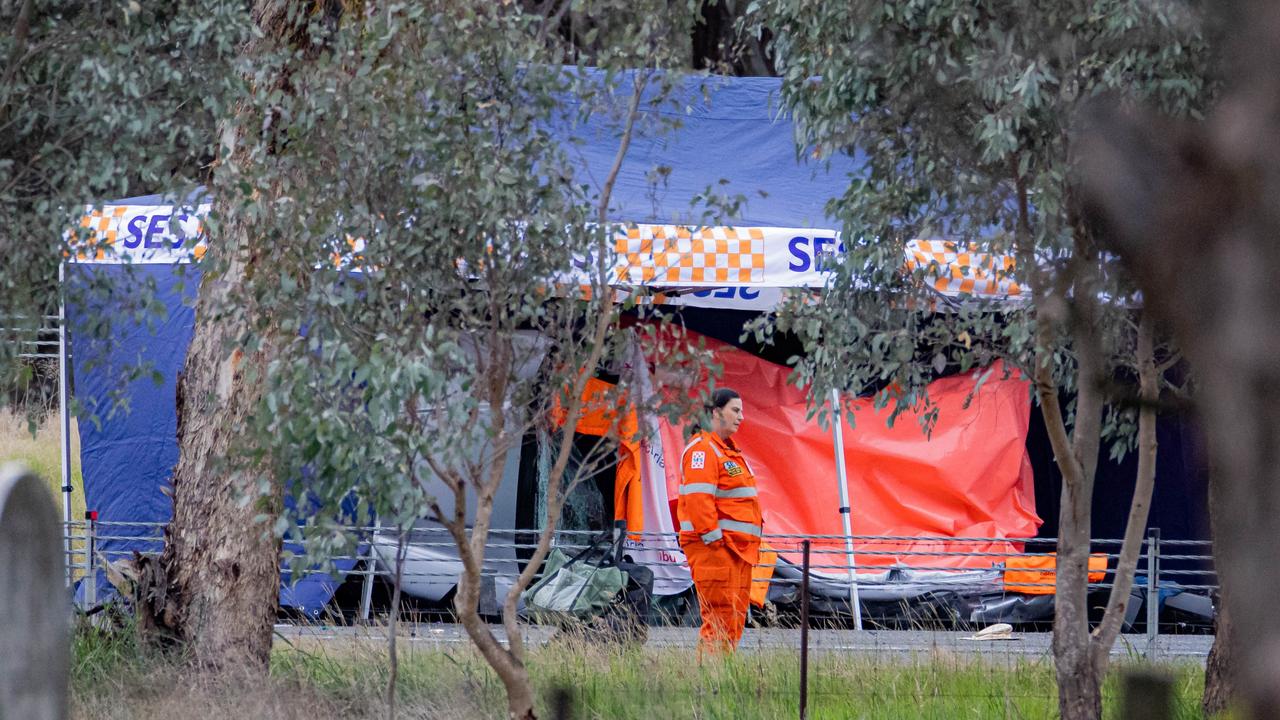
[970, 478]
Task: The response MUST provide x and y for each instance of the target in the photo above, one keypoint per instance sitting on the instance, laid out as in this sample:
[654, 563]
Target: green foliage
[414, 221]
[965, 114]
[99, 100]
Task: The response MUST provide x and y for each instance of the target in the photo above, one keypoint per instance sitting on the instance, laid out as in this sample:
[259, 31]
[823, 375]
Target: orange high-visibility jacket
[718, 496]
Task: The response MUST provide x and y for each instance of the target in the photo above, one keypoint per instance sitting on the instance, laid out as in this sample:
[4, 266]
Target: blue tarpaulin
[723, 135]
[128, 427]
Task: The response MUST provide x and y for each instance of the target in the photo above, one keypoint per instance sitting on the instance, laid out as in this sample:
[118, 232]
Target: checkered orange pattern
[681, 254]
[963, 273]
[103, 225]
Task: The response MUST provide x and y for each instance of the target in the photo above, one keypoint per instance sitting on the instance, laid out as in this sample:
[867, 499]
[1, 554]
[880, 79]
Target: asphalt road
[884, 644]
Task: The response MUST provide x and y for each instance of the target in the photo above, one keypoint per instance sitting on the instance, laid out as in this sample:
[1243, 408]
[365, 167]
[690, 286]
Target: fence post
[1153, 591]
[804, 635]
[69, 556]
[64, 410]
[90, 549]
[366, 588]
[561, 703]
[34, 634]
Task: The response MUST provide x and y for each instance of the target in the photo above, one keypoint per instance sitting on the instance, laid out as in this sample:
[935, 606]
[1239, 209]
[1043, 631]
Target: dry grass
[41, 452]
[172, 694]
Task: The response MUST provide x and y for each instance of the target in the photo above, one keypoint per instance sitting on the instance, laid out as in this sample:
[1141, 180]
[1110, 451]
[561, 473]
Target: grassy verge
[315, 679]
[42, 453]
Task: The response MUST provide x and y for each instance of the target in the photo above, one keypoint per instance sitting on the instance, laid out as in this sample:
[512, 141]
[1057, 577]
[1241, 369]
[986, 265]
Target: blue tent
[723, 134]
[726, 135]
[129, 450]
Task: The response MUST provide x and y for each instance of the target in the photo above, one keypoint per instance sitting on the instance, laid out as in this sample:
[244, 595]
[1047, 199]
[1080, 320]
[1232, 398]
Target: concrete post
[34, 637]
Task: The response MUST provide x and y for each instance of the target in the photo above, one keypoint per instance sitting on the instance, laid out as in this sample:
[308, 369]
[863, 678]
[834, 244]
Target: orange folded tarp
[1036, 574]
[761, 574]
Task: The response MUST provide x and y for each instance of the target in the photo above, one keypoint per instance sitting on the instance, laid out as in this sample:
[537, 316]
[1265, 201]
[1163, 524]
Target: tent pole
[842, 479]
[64, 417]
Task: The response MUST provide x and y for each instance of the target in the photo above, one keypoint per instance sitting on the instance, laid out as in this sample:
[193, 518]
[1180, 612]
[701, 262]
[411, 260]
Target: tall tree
[963, 114]
[98, 100]
[1190, 206]
[388, 302]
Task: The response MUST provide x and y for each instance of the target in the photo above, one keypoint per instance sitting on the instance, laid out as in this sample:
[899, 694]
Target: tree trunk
[1140, 506]
[1079, 692]
[217, 587]
[1219, 684]
[1219, 679]
[1082, 658]
[508, 662]
[222, 566]
[1079, 677]
[1240, 397]
[1079, 674]
[1191, 208]
[393, 654]
[511, 671]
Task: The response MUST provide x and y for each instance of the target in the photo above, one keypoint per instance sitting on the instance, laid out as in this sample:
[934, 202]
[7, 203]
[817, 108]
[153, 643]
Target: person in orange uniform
[720, 523]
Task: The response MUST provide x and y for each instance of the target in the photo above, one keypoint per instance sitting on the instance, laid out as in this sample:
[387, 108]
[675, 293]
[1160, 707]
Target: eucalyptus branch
[1149, 380]
[1169, 362]
[604, 321]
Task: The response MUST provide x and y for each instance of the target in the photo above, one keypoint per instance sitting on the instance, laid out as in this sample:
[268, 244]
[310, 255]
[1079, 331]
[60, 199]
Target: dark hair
[721, 397]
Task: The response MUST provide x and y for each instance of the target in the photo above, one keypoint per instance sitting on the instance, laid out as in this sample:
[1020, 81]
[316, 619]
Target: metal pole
[64, 415]
[842, 479]
[370, 569]
[804, 636]
[1153, 591]
[366, 588]
[90, 572]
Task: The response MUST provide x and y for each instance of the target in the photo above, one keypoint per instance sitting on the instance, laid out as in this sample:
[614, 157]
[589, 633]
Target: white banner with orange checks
[679, 255]
[741, 267]
[956, 272]
[145, 234]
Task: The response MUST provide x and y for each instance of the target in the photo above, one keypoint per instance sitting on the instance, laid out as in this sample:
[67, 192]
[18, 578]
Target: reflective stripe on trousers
[733, 525]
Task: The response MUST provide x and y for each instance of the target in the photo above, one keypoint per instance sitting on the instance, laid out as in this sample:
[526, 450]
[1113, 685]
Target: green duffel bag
[578, 589]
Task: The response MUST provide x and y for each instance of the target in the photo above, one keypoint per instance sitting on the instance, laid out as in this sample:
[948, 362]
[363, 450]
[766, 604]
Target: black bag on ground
[627, 619]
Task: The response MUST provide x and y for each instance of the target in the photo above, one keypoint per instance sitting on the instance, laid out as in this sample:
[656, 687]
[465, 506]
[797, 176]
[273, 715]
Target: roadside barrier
[885, 565]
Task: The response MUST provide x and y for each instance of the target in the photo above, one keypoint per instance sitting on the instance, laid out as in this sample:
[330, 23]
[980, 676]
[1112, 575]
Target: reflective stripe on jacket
[718, 497]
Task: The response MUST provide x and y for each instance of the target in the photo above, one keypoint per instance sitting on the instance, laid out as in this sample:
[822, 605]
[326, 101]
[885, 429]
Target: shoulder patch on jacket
[698, 460]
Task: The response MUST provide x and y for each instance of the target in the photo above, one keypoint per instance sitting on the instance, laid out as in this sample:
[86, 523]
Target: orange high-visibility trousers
[722, 580]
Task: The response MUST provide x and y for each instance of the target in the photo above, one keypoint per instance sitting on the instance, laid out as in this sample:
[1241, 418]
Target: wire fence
[31, 340]
[839, 674]
[901, 581]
